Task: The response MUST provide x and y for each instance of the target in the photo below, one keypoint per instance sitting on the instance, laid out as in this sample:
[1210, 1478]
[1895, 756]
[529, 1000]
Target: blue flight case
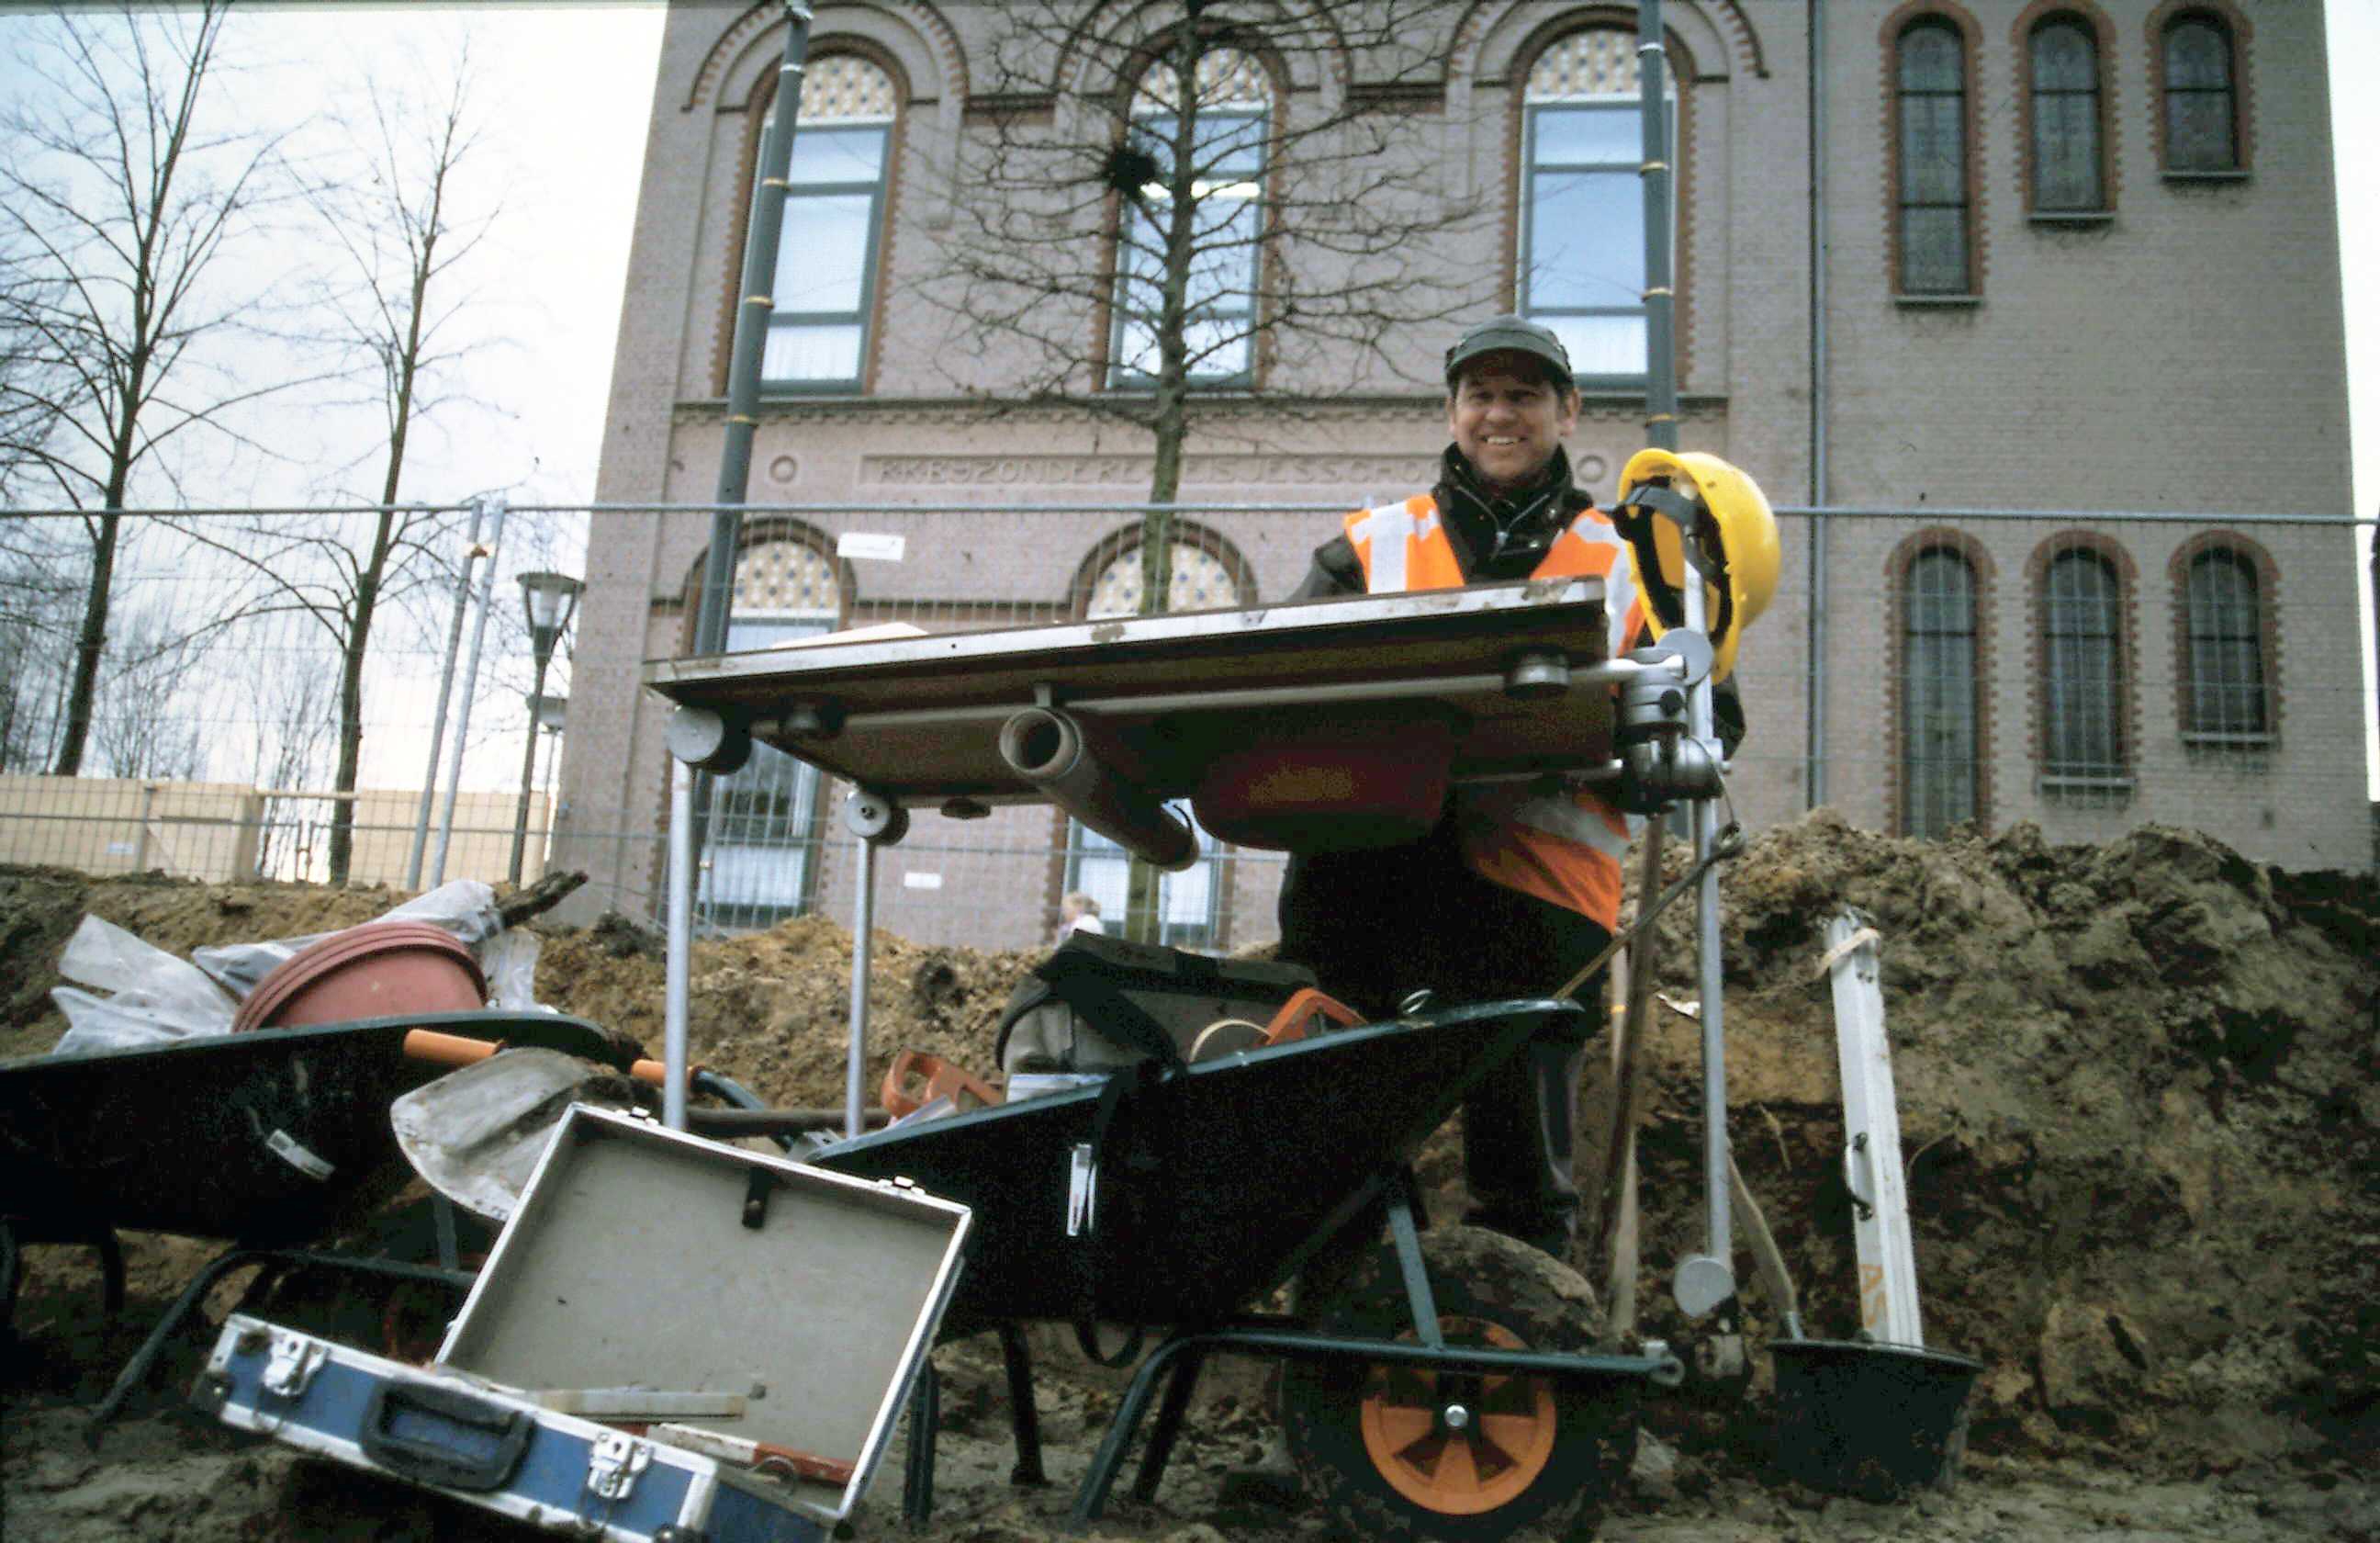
[674, 1341]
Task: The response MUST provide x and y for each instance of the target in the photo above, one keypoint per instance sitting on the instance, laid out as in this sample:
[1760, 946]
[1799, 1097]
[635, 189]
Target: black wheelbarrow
[268, 1140]
[1452, 1383]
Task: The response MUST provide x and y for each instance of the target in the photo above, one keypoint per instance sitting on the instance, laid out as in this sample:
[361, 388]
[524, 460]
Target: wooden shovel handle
[940, 1079]
[459, 1050]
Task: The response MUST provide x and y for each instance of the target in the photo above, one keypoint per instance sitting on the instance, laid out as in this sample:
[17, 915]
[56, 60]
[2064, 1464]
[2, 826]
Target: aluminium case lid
[918, 718]
[629, 1263]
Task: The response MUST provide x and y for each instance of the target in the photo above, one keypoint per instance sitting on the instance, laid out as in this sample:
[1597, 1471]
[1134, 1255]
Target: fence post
[470, 685]
[445, 694]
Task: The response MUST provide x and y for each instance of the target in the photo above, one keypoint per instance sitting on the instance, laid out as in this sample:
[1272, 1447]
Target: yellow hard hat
[1735, 533]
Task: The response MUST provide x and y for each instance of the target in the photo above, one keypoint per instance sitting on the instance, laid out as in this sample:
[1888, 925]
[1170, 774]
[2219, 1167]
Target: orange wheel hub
[1458, 1443]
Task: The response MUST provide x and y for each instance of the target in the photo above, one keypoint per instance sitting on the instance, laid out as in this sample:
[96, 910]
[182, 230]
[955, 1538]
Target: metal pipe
[528, 769]
[1930, 512]
[1050, 750]
[445, 697]
[1813, 765]
[1660, 315]
[679, 944]
[470, 686]
[863, 924]
[755, 306]
[1661, 429]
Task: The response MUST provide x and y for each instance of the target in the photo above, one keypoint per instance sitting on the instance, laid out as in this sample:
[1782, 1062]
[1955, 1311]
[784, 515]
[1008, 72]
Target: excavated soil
[2139, 1092]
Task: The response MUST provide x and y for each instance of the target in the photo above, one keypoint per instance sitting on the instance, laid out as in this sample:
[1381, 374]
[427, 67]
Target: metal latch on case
[613, 1461]
[292, 1363]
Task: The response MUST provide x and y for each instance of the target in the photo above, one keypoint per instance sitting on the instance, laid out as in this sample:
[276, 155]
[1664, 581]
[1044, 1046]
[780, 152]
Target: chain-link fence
[1935, 669]
[274, 693]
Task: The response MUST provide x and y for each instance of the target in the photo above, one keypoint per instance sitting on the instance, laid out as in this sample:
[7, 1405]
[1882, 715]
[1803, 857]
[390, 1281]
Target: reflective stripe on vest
[1403, 546]
[1564, 849]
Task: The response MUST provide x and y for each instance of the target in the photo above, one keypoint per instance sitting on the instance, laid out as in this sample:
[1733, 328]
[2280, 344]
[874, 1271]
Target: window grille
[2202, 114]
[2082, 670]
[760, 846]
[2068, 175]
[1931, 107]
[1937, 693]
[2225, 632]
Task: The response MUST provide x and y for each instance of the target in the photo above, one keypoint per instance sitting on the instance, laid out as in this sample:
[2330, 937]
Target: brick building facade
[2044, 265]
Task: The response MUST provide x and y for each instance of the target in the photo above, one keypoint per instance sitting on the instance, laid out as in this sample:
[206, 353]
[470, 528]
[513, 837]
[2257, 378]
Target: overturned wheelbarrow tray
[1874, 1421]
[273, 1136]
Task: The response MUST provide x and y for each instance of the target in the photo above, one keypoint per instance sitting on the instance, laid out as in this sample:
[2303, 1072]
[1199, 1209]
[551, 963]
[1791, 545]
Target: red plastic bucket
[381, 969]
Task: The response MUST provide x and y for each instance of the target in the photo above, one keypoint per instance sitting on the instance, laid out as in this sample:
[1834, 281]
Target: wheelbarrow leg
[925, 1423]
[17, 1232]
[8, 1277]
[1093, 1497]
[136, 1371]
[1168, 1427]
[1023, 1416]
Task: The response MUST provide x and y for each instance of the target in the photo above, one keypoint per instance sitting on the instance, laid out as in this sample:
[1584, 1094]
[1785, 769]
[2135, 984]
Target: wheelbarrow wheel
[1425, 1456]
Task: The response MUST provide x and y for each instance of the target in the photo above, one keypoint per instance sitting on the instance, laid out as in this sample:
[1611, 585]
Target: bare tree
[1175, 245]
[39, 600]
[388, 201]
[403, 240]
[118, 210]
[294, 697]
[145, 727]
[1164, 225]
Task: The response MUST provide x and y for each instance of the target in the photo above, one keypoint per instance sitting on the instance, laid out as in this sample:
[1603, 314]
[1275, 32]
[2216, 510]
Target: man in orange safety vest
[1518, 886]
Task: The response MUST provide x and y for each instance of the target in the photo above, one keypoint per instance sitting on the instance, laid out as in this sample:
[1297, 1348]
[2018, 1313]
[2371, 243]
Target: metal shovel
[476, 1133]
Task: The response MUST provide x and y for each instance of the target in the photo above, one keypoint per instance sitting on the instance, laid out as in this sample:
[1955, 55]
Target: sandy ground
[2139, 1096]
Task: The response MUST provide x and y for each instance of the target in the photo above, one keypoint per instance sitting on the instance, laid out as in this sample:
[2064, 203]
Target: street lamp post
[550, 598]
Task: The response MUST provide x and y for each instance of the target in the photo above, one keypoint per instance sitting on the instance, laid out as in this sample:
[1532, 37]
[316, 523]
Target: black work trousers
[1375, 925]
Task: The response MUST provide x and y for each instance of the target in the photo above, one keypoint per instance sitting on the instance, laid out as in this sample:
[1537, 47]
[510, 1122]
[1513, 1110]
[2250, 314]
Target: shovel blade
[475, 1134]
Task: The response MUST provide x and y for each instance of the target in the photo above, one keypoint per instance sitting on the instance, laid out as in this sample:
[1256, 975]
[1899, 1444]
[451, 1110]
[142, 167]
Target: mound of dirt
[2139, 1088]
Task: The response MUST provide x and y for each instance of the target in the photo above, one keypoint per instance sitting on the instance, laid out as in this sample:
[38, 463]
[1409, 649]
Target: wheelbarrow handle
[459, 1050]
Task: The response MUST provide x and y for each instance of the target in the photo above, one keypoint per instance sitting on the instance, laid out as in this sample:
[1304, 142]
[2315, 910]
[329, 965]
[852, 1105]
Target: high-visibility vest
[1565, 848]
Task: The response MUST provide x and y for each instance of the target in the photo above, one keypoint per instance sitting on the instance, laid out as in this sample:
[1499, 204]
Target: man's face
[1507, 420]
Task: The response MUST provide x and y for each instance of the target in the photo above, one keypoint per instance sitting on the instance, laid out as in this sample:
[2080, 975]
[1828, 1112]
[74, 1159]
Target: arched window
[825, 284]
[760, 846]
[1582, 202]
[2202, 102]
[1937, 693]
[1220, 126]
[1930, 108]
[2069, 165]
[1189, 904]
[2082, 669]
[2223, 631]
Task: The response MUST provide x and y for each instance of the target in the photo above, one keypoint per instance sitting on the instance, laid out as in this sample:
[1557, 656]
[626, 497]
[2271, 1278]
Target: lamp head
[550, 598]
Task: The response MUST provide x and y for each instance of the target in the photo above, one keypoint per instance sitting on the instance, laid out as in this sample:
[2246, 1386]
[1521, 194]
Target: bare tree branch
[120, 215]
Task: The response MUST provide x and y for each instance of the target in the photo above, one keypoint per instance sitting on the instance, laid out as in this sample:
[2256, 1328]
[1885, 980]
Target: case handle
[443, 1436]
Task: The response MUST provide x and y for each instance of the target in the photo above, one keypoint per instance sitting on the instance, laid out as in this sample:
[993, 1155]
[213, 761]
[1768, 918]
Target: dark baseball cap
[1510, 334]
